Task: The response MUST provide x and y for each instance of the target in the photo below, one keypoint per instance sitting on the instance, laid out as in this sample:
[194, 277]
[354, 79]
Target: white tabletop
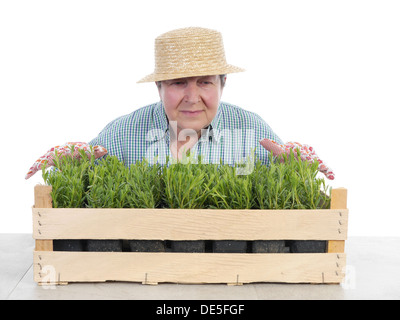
[372, 273]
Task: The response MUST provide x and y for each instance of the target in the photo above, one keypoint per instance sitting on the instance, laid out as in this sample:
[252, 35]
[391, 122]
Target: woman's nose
[192, 93]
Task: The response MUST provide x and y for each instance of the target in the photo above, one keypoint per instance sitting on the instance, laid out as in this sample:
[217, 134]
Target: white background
[324, 73]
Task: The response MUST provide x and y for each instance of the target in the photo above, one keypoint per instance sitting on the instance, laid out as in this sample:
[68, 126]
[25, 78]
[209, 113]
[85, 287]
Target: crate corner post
[338, 201]
[42, 198]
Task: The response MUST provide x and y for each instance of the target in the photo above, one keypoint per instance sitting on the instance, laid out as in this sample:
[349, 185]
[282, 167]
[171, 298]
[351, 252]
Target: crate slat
[179, 224]
[153, 268]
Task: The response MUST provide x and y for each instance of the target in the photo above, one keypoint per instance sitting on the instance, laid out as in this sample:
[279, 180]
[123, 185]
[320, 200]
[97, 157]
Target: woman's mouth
[192, 113]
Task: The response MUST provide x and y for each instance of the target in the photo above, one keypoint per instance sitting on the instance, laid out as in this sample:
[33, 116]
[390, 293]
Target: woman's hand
[307, 153]
[70, 149]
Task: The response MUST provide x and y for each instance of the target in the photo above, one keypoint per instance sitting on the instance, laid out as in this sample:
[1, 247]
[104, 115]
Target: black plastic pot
[188, 246]
[268, 246]
[68, 245]
[308, 246]
[104, 245]
[230, 246]
[146, 245]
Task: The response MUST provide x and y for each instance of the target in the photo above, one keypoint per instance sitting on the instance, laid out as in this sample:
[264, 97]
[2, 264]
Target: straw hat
[189, 52]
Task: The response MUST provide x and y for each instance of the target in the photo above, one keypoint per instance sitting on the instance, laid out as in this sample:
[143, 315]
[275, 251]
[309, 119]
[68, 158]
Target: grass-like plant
[114, 185]
[69, 180]
[108, 187]
[188, 184]
[108, 183]
[146, 185]
[232, 191]
[291, 184]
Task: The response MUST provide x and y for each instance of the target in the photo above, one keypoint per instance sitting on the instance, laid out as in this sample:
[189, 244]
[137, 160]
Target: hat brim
[161, 77]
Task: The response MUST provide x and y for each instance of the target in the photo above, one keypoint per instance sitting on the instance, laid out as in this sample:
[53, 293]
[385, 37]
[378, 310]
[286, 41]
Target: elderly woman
[190, 74]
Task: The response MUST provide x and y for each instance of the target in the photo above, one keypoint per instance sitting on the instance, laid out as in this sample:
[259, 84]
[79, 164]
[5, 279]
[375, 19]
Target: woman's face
[191, 102]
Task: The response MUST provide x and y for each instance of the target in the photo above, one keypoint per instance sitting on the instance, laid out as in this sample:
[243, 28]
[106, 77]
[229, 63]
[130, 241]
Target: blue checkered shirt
[231, 137]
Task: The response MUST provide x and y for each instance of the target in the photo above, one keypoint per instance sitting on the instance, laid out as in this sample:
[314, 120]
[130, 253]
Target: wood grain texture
[42, 200]
[152, 268]
[338, 201]
[179, 224]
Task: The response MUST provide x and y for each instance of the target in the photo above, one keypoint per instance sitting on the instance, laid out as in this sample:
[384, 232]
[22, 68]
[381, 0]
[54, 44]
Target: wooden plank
[43, 196]
[42, 200]
[152, 268]
[44, 245]
[178, 224]
[338, 201]
[339, 198]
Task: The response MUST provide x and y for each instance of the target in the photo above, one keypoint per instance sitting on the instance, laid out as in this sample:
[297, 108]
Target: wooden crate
[52, 267]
